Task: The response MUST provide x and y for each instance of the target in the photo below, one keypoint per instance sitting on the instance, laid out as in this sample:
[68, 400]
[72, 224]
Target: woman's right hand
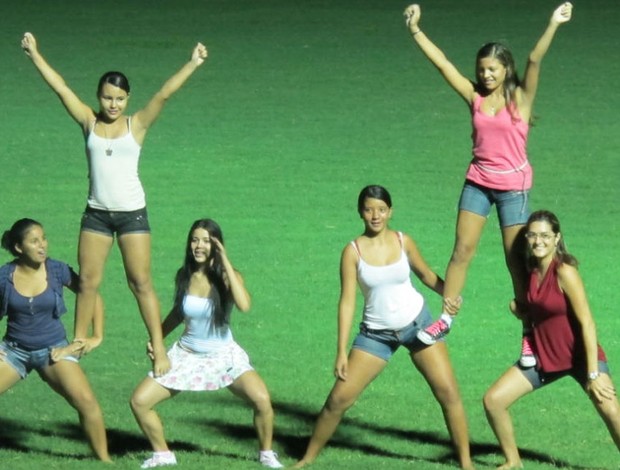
[29, 44]
[563, 13]
[341, 367]
[412, 17]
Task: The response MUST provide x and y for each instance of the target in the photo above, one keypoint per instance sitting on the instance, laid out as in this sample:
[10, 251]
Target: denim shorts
[539, 379]
[24, 361]
[384, 343]
[512, 206]
[111, 222]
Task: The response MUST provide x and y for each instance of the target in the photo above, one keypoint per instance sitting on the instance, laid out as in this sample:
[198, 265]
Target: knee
[462, 253]
[138, 404]
[262, 403]
[140, 285]
[339, 403]
[85, 402]
[448, 396]
[490, 401]
[89, 282]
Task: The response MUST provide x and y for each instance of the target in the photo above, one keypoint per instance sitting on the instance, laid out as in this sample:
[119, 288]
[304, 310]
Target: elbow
[245, 305]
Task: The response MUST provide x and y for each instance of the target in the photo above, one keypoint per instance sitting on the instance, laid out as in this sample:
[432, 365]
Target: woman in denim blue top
[31, 288]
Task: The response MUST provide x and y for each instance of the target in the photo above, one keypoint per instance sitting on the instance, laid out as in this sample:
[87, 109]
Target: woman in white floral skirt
[205, 357]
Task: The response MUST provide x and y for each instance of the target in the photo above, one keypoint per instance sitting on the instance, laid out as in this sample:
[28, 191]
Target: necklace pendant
[108, 152]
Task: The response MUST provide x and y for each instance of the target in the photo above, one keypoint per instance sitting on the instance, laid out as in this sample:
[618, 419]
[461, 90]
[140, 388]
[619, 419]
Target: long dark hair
[213, 269]
[16, 234]
[561, 253]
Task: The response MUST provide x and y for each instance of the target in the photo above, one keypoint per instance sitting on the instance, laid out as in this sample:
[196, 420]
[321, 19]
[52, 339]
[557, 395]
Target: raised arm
[572, 285]
[239, 293]
[455, 79]
[529, 85]
[346, 308]
[79, 111]
[144, 118]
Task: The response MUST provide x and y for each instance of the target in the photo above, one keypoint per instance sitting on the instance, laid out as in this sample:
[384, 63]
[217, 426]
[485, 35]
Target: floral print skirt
[204, 371]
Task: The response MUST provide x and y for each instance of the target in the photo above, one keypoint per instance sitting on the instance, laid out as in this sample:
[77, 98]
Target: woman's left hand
[73, 349]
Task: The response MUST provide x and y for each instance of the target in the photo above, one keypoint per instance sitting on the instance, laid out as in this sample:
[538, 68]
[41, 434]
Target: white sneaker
[269, 458]
[159, 459]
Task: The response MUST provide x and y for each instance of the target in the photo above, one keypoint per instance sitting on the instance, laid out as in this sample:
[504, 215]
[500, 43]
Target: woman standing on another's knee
[205, 357]
[381, 261]
[501, 107]
[116, 201]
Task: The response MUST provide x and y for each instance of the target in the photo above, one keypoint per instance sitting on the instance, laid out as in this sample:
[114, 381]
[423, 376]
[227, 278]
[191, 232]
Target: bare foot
[302, 463]
[509, 465]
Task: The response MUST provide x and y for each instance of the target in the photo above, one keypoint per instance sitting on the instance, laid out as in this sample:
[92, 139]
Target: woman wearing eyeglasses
[564, 335]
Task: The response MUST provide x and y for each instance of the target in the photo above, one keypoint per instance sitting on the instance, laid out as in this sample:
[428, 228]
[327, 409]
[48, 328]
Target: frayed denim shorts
[384, 343]
[512, 206]
[24, 361]
[539, 378]
[111, 222]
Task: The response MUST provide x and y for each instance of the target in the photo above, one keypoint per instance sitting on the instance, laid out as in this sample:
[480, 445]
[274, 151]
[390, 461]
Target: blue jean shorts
[512, 206]
[539, 379]
[384, 343]
[24, 361]
[111, 222]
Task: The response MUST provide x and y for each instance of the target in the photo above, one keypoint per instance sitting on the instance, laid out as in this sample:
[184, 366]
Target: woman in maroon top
[564, 336]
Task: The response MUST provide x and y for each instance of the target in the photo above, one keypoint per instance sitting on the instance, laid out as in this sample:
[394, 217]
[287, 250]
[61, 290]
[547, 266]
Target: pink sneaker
[434, 332]
[527, 359]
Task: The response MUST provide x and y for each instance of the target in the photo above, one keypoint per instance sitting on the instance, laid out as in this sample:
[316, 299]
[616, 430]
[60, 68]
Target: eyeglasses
[545, 236]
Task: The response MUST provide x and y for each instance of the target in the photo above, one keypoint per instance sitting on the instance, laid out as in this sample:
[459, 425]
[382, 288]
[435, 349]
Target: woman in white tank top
[380, 261]
[113, 144]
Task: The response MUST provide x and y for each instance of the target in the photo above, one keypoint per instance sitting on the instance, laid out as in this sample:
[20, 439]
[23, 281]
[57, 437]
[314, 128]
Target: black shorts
[115, 222]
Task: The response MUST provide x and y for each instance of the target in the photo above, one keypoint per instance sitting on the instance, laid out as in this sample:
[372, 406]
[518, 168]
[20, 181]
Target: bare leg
[68, 380]
[609, 410]
[136, 251]
[144, 398]
[253, 390]
[363, 369]
[8, 375]
[93, 252]
[434, 364]
[469, 228]
[509, 388]
[513, 239]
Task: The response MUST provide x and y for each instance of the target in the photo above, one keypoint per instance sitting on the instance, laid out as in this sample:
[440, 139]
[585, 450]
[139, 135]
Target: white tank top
[113, 172]
[201, 335]
[390, 300]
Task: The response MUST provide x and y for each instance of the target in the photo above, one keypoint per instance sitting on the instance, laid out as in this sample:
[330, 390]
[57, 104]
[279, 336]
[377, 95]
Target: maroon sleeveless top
[557, 333]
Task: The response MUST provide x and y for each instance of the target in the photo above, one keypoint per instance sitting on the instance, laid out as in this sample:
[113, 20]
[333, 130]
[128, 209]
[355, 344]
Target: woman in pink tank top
[564, 334]
[501, 108]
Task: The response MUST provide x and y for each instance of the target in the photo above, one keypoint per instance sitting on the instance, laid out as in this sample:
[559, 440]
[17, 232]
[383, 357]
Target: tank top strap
[356, 248]
[400, 239]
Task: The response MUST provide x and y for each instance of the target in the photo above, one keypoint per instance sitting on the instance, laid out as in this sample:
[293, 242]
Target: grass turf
[300, 104]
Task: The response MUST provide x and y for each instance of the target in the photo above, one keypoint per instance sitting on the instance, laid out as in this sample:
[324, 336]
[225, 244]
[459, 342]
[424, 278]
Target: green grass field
[301, 104]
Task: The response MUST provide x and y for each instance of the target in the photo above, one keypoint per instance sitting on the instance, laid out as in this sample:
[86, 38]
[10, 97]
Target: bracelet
[418, 31]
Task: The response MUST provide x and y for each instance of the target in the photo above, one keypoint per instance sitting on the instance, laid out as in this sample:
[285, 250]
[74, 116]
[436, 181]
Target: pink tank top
[499, 150]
